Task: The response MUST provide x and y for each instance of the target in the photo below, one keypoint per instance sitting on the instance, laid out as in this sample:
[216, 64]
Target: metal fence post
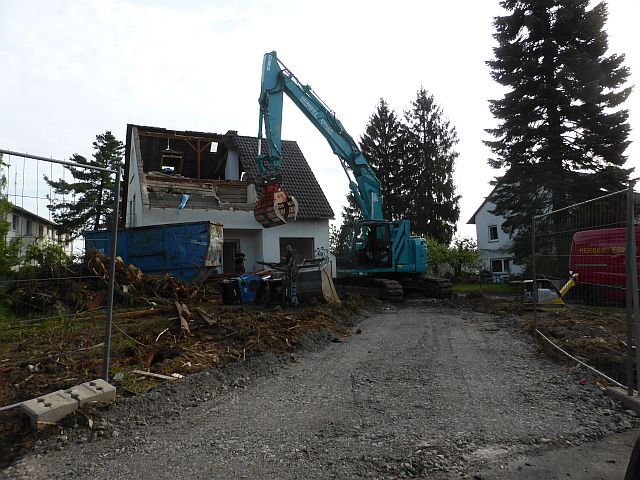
[632, 308]
[533, 274]
[629, 258]
[112, 280]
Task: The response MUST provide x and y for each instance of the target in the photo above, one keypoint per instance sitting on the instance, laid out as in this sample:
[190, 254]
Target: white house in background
[493, 243]
[29, 227]
[215, 175]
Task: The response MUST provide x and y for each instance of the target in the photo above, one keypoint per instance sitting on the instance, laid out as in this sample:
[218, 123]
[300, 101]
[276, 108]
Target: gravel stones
[421, 392]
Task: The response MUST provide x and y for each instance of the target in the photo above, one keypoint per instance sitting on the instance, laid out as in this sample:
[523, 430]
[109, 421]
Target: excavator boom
[378, 255]
[276, 207]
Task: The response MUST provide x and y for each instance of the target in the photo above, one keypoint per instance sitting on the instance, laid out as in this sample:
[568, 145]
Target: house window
[40, 231]
[29, 227]
[303, 246]
[16, 222]
[132, 211]
[493, 233]
[501, 265]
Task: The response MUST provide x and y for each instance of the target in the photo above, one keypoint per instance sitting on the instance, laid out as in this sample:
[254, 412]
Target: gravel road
[422, 391]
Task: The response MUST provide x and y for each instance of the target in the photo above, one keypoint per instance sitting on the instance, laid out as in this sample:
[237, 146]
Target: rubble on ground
[160, 325]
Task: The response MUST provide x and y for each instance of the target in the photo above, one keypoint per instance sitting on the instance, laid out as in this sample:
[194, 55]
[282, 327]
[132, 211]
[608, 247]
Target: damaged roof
[298, 179]
[202, 175]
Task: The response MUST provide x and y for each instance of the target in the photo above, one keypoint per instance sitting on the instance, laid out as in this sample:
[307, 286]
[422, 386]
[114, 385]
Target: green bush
[50, 258]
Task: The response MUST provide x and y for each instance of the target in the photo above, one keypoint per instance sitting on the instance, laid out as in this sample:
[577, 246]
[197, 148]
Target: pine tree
[87, 202]
[561, 136]
[350, 211]
[382, 145]
[430, 201]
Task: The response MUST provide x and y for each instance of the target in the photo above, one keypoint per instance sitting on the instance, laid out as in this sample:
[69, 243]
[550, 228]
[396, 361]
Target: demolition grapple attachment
[275, 207]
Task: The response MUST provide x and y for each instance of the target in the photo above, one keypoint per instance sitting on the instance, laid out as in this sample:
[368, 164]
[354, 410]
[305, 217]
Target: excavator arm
[275, 207]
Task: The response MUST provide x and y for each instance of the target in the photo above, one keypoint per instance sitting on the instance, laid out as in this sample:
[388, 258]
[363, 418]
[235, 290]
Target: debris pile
[162, 341]
[83, 287]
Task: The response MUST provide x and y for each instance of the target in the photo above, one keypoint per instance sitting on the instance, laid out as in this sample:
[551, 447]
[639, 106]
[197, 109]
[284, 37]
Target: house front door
[229, 248]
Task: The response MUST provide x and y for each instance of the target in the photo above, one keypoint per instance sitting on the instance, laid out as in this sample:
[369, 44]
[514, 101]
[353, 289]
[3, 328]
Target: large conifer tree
[350, 212]
[562, 134]
[87, 202]
[382, 145]
[427, 173]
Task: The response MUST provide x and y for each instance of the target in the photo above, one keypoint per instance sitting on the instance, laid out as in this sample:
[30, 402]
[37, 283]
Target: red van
[598, 256]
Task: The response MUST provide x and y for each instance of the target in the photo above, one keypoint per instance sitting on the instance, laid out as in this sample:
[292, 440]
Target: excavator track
[382, 288]
[428, 286]
[395, 289]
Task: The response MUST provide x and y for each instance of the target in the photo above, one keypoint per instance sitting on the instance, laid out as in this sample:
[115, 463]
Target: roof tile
[298, 179]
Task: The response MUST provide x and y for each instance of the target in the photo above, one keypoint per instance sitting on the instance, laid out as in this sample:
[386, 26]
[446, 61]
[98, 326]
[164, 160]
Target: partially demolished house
[182, 176]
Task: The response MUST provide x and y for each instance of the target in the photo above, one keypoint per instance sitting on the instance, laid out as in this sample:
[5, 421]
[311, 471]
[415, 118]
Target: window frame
[505, 265]
[496, 230]
[494, 261]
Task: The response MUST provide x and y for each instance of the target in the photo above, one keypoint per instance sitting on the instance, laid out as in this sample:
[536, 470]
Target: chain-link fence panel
[55, 297]
[585, 263]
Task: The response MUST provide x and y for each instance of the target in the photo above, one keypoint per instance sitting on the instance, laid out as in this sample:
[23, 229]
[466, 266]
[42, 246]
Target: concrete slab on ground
[94, 391]
[49, 408]
[53, 407]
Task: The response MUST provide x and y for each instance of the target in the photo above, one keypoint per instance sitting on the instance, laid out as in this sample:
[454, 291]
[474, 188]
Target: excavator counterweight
[275, 207]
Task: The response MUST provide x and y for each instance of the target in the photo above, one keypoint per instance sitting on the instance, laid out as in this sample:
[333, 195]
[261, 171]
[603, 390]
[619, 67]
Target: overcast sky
[73, 69]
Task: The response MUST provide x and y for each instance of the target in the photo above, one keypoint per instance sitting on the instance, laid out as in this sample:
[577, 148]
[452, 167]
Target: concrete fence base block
[49, 408]
[94, 391]
[55, 406]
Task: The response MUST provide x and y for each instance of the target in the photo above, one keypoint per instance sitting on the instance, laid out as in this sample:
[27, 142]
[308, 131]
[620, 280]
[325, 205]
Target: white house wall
[493, 249]
[49, 233]
[250, 244]
[134, 192]
[232, 167]
[316, 229]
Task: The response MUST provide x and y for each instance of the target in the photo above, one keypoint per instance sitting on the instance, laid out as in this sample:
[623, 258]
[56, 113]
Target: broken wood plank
[204, 315]
[184, 314]
[154, 375]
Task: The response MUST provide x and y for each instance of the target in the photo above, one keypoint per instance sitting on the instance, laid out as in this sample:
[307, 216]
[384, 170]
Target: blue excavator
[375, 257]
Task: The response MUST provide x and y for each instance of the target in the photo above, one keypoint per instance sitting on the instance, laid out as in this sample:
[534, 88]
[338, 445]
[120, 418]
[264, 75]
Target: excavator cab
[365, 245]
[275, 207]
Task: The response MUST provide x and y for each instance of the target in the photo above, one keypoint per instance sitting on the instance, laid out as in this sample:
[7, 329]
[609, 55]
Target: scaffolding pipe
[53, 160]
